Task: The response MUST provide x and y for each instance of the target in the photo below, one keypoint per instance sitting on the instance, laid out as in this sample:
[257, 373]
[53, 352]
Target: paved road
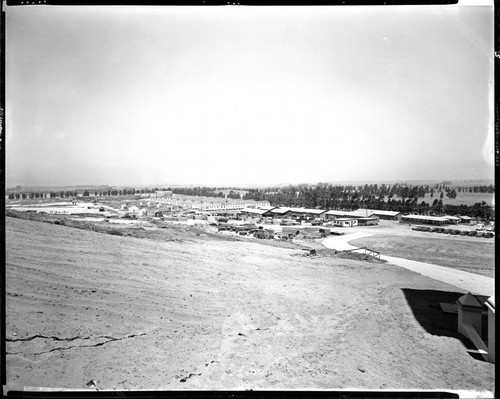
[475, 283]
[341, 243]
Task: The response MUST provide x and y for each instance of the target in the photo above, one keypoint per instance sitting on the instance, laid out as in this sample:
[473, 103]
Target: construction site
[231, 298]
[249, 199]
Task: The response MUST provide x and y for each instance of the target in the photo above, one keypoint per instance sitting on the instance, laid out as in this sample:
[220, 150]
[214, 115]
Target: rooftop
[305, 210]
[267, 208]
[356, 214]
[255, 211]
[422, 217]
[280, 210]
[385, 213]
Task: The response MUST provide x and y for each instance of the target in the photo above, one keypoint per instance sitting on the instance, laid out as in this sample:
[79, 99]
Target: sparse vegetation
[454, 252]
[191, 298]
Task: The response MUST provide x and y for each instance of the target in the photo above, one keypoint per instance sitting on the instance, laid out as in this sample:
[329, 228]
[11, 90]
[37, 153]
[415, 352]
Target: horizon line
[250, 185]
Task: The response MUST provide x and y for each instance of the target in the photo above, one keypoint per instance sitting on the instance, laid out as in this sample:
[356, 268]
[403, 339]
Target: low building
[369, 221]
[279, 212]
[336, 214]
[364, 213]
[345, 222]
[306, 213]
[360, 213]
[385, 215]
[453, 219]
[164, 193]
[255, 212]
[421, 219]
[465, 219]
[267, 207]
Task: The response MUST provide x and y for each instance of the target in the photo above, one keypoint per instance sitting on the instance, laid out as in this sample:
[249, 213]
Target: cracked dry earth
[40, 344]
[134, 313]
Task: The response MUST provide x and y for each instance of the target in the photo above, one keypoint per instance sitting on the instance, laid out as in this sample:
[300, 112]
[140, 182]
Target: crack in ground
[189, 376]
[110, 339]
[46, 337]
[184, 379]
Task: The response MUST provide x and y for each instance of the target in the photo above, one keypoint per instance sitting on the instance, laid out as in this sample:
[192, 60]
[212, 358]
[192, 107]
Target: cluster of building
[205, 204]
[171, 204]
[361, 217]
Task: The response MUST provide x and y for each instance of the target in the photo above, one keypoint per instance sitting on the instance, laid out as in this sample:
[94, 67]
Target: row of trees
[206, 192]
[466, 189]
[86, 193]
[115, 192]
[338, 196]
[477, 189]
[198, 191]
[350, 198]
[479, 210]
[60, 194]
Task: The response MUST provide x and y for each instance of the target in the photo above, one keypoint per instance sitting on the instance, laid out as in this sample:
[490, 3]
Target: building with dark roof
[369, 221]
[279, 212]
[256, 212]
[452, 219]
[385, 215]
[304, 212]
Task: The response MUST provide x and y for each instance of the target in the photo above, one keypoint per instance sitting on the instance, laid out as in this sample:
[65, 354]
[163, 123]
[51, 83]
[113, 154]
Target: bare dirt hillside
[199, 313]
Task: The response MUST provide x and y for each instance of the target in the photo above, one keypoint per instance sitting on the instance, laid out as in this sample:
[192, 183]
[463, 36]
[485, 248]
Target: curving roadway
[475, 283]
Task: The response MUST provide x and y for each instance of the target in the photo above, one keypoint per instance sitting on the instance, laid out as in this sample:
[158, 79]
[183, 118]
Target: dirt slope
[137, 313]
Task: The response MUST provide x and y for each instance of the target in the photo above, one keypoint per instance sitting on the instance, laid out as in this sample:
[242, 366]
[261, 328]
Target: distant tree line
[86, 193]
[477, 189]
[208, 192]
[199, 191]
[234, 195]
[398, 197]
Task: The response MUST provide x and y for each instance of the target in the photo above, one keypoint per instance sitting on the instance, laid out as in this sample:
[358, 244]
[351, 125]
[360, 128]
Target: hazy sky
[237, 95]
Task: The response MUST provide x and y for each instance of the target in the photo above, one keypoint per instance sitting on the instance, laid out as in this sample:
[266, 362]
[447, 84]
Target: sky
[231, 96]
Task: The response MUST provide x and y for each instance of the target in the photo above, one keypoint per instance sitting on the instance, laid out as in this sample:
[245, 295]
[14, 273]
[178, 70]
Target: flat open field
[202, 313]
[472, 256]
[462, 198]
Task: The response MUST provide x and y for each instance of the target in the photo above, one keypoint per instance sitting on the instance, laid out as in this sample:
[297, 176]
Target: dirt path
[477, 284]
